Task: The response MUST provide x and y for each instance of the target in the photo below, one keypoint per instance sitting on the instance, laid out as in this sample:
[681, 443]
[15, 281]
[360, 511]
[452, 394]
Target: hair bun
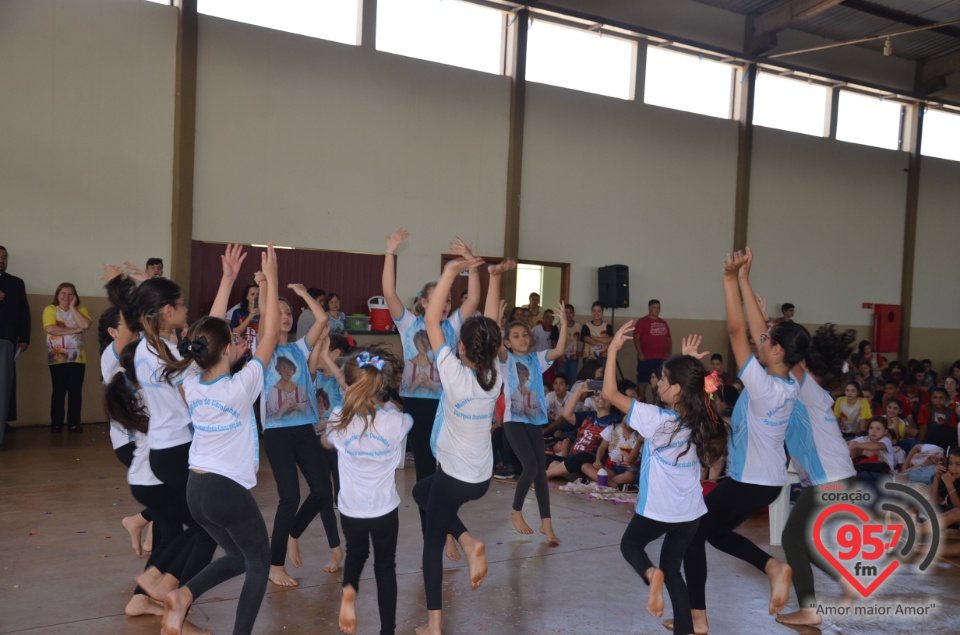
[194, 349]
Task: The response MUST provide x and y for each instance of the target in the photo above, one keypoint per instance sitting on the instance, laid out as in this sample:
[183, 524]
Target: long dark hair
[141, 308]
[828, 354]
[695, 410]
[794, 339]
[481, 345]
[121, 397]
[203, 343]
[244, 302]
[109, 319]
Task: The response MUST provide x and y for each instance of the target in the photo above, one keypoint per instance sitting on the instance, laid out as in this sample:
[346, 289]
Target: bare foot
[175, 607]
[700, 626]
[336, 555]
[278, 575]
[476, 553]
[546, 528]
[142, 605]
[148, 542]
[134, 526]
[780, 575]
[293, 550]
[348, 610]
[655, 603]
[432, 627]
[149, 579]
[452, 552]
[803, 617]
[519, 523]
[191, 629]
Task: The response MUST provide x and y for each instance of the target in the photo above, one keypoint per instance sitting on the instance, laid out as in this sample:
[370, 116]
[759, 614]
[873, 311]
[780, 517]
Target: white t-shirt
[886, 454]
[759, 424]
[367, 462]
[541, 338]
[109, 367]
[555, 405]
[461, 430]
[814, 438]
[524, 400]
[420, 378]
[225, 430]
[140, 472]
[669, 482]
[169, 417]
[621, 440]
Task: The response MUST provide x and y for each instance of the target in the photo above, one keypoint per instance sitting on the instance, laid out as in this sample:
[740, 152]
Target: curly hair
[827, 356]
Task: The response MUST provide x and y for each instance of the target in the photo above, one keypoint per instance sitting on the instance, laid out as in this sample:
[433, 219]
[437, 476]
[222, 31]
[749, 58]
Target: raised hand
[690, 344]
[502, 267]
[624, 334]
[268, 262]
[461, 248]
[136, 272]
[762, 303]
[395, 239]
[744, 272]
[110, 272]
[259, 277]
[456, 265]
[233, 256]
[298, 288]
[732, 263]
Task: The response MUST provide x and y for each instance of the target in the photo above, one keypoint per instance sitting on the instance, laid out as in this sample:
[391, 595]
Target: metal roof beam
[762, 28]
[932, 73]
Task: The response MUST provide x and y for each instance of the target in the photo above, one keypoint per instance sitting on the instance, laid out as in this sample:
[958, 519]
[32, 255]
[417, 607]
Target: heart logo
[849, 577]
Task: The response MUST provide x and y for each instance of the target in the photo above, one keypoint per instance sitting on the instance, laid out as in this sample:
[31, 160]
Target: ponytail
[365, 376]
[481, 340]
[121, 398]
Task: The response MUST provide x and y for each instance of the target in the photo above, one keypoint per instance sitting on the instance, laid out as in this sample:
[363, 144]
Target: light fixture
[887, 47]
[275, 246]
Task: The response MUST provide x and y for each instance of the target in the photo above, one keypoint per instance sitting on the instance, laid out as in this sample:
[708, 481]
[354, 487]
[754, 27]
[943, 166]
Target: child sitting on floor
[579, 457]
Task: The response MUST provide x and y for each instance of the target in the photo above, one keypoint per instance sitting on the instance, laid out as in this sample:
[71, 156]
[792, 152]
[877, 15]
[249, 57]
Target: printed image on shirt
[420, 378]
[524, 377]
[289, 395]
[328, 395]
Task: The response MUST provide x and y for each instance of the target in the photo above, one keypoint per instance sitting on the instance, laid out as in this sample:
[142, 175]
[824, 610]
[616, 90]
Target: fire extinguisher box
[886, 328]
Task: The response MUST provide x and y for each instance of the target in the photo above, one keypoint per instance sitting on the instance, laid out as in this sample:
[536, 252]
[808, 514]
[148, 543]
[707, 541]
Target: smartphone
[256, 302]
[595, 384]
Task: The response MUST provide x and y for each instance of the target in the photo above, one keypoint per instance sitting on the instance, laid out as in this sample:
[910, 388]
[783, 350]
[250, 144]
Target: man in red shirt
[651, 337]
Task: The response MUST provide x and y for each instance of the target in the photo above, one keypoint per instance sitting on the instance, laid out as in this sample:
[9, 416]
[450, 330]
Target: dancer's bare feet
[293, 550]
[546, 528]
[655, 602]
[191, 629]
[348, 610]
[432, 627]
[278, 575]
[476, 553]
[336, 555]
[780, 575]
[134, 526]
[148, 541]
[700, 626]
[157, 584]
[175, 607]
[519, 523]
[451, 550]
[143, 605]
[803, 617]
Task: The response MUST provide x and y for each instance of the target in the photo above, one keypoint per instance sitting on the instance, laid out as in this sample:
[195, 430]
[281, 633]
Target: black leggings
[526, 440]
[288, 449]
[728, 505]
[423, 411]
[796, 541]
[228, 512]
[382, 531]
[440, 496]
[171, 465]
[642, 531]
[67, 381]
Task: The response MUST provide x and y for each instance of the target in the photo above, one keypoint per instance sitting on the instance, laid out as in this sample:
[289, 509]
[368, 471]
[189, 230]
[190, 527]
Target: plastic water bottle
[602, 477]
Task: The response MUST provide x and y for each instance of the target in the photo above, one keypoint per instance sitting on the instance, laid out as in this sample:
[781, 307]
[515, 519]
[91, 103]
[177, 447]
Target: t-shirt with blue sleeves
[461, 431]
[331, 388]
[814, 438]
[759, 426]
[289, 396]
[669, 480]
[225, 438]
[524, 399]
[420, 378]
[169, 417]
[109, 367]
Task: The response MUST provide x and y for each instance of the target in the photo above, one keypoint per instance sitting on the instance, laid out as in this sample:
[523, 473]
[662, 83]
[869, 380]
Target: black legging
[228, 512]
[796, 541]
[288, 449]
[125, 454]
[423, 411]
[728, 505]
[526, 440]
[171, 466]
[440, 497]
[67, 381]
[642, 531]
[358, 533]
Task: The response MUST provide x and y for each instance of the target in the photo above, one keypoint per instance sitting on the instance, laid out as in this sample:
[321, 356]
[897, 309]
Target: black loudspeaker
[614, 284]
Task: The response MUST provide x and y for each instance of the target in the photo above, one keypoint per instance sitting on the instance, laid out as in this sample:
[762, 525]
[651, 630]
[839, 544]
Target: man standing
[14, 339]
[154, 268]
[306, 319]
[651, 336]
[787, 310]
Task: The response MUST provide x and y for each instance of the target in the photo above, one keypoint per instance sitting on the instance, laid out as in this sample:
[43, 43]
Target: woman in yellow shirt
[852, 410]
[64, 321]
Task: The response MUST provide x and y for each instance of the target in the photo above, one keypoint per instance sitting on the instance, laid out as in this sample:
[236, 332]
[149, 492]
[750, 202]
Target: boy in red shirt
[651, 337]
[937, 422]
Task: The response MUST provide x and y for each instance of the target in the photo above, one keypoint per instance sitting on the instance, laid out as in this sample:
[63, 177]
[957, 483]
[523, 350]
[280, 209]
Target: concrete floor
[66, 565]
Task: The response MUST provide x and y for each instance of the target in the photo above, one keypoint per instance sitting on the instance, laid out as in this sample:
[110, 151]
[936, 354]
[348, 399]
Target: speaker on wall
[614, 284]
